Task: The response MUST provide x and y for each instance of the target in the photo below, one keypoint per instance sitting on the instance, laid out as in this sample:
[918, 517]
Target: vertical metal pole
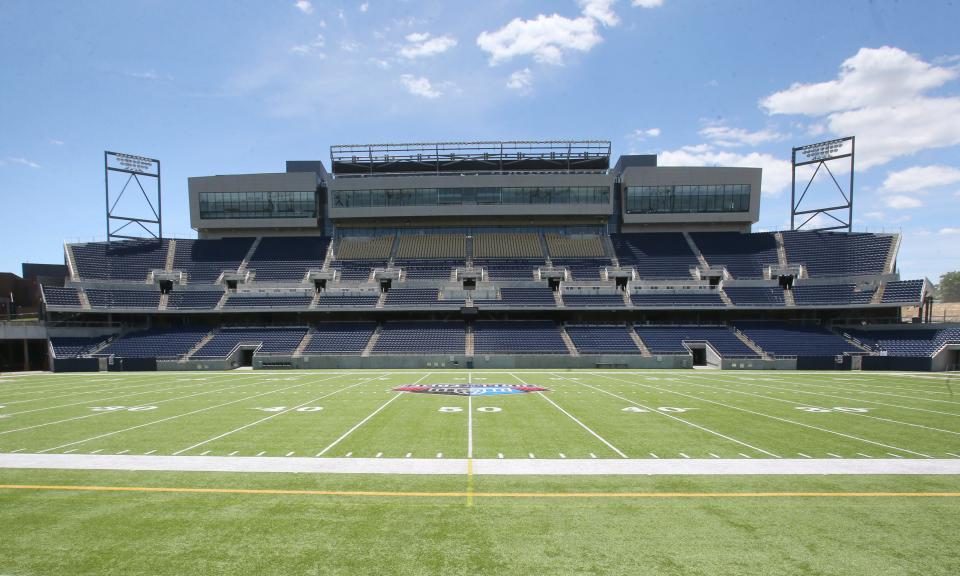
[853, 146]
[793, 187]
[106, 191]
[159, 204]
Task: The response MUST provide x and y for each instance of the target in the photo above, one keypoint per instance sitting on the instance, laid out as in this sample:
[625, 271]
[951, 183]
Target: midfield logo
[470, 389]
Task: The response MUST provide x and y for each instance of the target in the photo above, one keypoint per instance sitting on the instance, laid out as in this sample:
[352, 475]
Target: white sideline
[517, 467]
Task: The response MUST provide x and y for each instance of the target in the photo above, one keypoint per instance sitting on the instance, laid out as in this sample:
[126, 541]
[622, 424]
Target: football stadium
[497, 357]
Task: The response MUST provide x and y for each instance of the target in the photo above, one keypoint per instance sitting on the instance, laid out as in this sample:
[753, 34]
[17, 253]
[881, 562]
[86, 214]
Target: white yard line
[270, 417]
[112, 389]
[922, 399]
[98, 400]
[572, 417]
[678, 419]
[794, 422]
[568, 467]
[469, 426]
[168, 418]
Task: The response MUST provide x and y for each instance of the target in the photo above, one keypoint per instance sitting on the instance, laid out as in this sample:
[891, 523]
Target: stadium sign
[470, 389]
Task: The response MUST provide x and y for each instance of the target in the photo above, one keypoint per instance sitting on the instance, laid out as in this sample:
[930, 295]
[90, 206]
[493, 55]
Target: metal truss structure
[821, 154]
[135, 167]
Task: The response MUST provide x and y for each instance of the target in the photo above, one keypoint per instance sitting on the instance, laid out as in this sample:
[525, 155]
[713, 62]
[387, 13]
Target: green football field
[597, 521]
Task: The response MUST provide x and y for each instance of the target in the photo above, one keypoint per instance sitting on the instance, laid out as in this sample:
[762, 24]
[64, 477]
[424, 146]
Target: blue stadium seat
[670, 339]
[793, 340]
[270, 340]
[421, 338]
[655, 254]
[162, 343]
[744, 255]
[123, 298]
[838, 253]
[518, 337]
[601, 339]
[755, 295]
[287, 259]
[655, 298]
[340, 338]
[830, 295]
[204, 260]
[123, 260]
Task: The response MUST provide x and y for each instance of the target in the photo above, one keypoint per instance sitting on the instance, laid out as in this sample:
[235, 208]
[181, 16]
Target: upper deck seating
[357, 270]
[562, 246]
[363, 248]
[205, 260]
[508, 269]
[161, 343]
[838, 253]
[830, 294]
[653, 298]
[587, 300]
[670, 339]
[521, 297]
[57, 296]
[432, 246]
[74, 346]
[421, 338]
[744, 255]
[123, 298]
[340, 337]
[271, 340]
[341, 300]
[194, 299]
[125, 260]
[516, 245]
[412, 297]
[601, 339]
[903, 292]
[794, 340]
[582, 269]
[428, 269]
[755, 295]
[518, 337]
[265, 301]
[655, 254]
[287, 259]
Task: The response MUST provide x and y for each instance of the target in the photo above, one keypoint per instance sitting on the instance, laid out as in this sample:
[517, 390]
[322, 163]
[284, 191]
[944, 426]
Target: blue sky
[235, 87]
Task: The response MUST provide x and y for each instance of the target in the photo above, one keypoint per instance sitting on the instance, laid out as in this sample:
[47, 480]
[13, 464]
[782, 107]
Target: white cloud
[420, 86]
[648, 3]
[423, 44]
[151, 75]
[949, 231]
[304, 6]
[521, 81]
[380, 63]
[365, 6]
[776, 172]
[879, 95]
[350, 46]
[875, 215]
[56, 142]
[920, 178]
[901, 202]
[639, 134]
[20, 161]
[313, 47]
[721, 135]
[545, 38]
[600, 10]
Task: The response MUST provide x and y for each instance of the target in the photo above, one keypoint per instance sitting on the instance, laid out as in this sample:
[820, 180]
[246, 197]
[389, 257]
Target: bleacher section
[194, 300]
[561, 246]
[831, 295]
[123, 298]
[518, 245]
[168, 343]
[340, 338]
[586, 300]
[359, 248]
[783, 340]
[287, 259]
[427, 269]
[412, 297]
[205, 260]
[903, 292]
[582, 269]
[655, 298]
[508, 269]
[755, 295]
[601, 339]
[907, 343]
[522, 298]
[432, 246]
[518, 337]
[655, 255]
[270, 340]
[744, 255]
[838, 254]
[56, 296]
[356, 270]
[421, 338]
[670, 340]
[280, 301]
[72, 347]
[126, 260]
[340, 300]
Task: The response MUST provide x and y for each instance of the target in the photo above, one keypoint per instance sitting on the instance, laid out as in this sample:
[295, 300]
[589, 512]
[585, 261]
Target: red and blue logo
[470, 389]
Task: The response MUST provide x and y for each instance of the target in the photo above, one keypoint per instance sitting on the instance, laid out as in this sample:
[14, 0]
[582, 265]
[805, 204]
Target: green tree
[950, 287]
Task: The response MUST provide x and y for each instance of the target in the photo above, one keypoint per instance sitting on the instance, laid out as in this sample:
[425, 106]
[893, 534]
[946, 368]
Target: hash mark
[149, 453]
[834, 455]
[97, 451]
[499, 455]
[864, 455]
[232, 453]
[204, 453]
[349, 454]
[713, 455]
[71, 450]
[804, 455]
[562, 455]
[439, 454]
[894, 455]
[530, 454]
[684, 455]
[409, 454]
[261, 453]
[952, 454]
[289, 453]
[379, 454]
[742, 454]
[654, 455]
[122, 452]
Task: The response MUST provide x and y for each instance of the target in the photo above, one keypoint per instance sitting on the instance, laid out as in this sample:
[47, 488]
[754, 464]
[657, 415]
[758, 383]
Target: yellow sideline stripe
[394, 494]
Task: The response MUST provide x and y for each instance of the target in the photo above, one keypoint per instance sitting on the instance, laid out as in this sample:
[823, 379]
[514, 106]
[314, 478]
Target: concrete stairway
[469, 340]
[203, 341]
[781, 251]
[303, 343]
[223, 300]
[750, 343]
[644, 351]
[568, 341]
[84, 301]
[696, 250]
[171, 254]
[373, 342]
[246, 259]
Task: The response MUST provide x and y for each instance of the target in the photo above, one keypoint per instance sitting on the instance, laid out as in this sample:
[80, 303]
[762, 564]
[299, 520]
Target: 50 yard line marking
[572, 417]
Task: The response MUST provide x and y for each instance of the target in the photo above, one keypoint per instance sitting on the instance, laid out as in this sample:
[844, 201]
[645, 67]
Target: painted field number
[282, 408]
[449, 409]
[122, 408]
[818, 410]
[665, 409]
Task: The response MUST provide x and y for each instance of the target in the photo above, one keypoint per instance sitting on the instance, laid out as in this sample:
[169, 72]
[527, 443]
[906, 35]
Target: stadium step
[558, 298]
[788, 298]
[750, 344]
[223, 300]
[878, 295]
[696, 250]
[373, 342]
[171, 253]
[568, 341]
[888, 266]
[84, 300]
[544, 247]
[468, 340]
[250, 252]
[203, 341]
[781, 251]
[71, 263]
[303, 343]
[644, 351]
[382, 300]
[726, 299]
[164, 298]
